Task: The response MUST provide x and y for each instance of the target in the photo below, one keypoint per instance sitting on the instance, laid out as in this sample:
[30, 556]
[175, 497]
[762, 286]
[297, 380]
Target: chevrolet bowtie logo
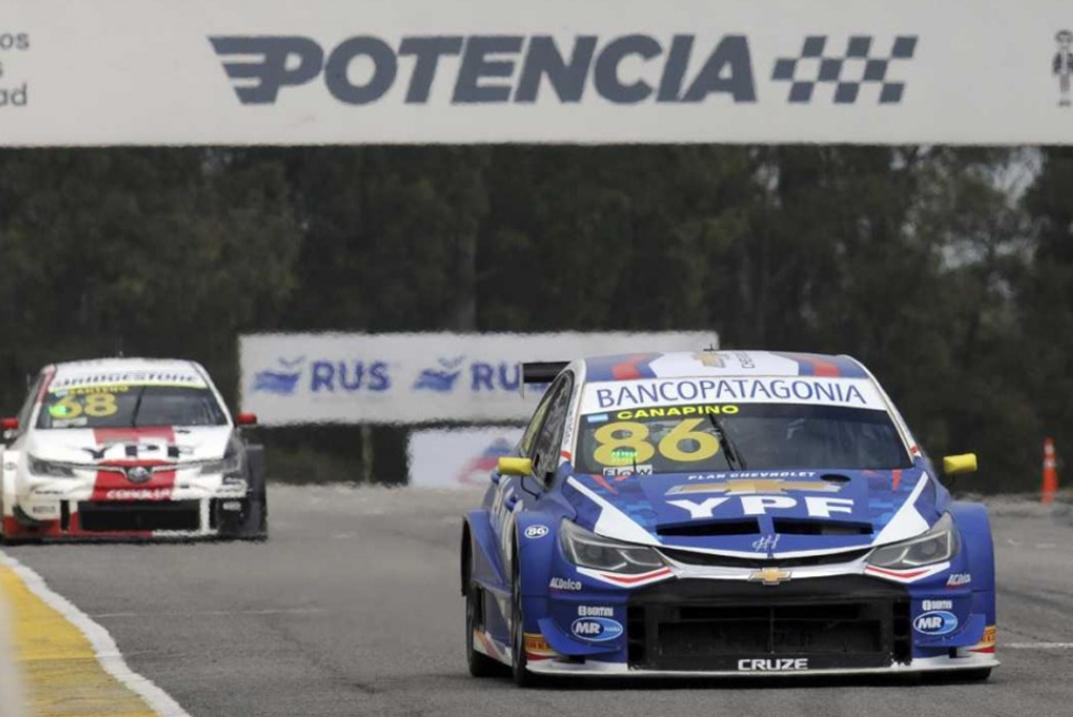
[770, 576]
[712, 360]
[739, 487]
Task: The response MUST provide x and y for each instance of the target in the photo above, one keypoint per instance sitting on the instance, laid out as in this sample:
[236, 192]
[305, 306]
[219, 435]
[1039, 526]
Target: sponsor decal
[45, 510]
[935, 622]
[128, 378]
[711, 359]
[766, 543]
[740, 487]
[937, 605]
[643, 469]
[673, 411]
[770, 576]
[816, 506]
[114, 478]
[987, 642]
[536, 531]
[651, 392]
[536, 647]
[595, 611]
[565, 584]
[596, 629]
[138, 494]
[1062, 66]
[958, 579]
[773, 664]
[743, 475]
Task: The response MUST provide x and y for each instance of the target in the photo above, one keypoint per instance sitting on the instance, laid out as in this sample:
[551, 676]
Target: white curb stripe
[104, 647]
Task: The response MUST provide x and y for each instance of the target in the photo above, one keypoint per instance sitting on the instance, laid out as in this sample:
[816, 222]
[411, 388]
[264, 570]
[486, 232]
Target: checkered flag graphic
[847, 72]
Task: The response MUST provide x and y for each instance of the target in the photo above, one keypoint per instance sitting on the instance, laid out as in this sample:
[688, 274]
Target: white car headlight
[937, 545]
[49, 469]
[228, 465]
[589, 550]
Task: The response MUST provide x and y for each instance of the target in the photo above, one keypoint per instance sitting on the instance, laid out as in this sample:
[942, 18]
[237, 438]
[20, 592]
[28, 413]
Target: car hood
[108, 445]
[779, 513]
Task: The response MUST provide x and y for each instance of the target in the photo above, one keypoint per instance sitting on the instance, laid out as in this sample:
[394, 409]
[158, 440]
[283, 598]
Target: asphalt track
[352, 608]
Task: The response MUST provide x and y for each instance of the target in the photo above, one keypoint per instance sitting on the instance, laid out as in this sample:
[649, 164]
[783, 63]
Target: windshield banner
[619, 395]
[416, 378]
[242, 72]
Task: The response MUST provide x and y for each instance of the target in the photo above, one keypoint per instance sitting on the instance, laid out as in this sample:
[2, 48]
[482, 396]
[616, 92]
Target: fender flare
[977, 542]
[479, 558]
[537, 538]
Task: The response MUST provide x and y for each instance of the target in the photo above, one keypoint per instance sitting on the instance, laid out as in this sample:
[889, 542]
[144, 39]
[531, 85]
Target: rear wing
[542, 371]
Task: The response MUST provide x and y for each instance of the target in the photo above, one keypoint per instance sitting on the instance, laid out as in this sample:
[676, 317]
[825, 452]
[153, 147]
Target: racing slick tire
[252, 523]
[479, 665]
[522, 676]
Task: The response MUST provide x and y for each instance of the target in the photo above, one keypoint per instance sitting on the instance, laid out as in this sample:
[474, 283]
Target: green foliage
[948, 272]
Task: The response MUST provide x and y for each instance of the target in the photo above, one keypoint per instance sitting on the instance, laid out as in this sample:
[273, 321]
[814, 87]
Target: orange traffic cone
[1050, 472]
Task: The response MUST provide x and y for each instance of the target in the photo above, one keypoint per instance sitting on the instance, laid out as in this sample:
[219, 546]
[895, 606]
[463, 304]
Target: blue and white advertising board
[416, 378]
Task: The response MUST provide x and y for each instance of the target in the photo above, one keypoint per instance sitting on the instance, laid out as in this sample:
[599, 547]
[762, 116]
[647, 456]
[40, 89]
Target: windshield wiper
[137, 405]
[730, 452]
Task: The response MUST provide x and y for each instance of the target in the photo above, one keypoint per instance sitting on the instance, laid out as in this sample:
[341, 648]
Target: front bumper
[621, 669]
[845, 624]
[58, 510]
[840, 622]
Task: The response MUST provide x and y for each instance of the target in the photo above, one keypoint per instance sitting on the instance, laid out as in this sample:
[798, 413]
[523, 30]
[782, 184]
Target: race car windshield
[130, 406]
[679, 439]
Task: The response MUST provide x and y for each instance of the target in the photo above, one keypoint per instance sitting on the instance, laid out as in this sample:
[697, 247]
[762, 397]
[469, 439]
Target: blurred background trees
[948, 271]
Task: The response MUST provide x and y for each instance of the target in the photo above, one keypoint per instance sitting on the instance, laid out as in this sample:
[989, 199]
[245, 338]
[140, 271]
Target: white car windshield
[130, 406]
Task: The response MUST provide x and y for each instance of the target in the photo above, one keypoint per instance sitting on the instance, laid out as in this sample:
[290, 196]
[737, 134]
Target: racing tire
[254, 524]
[479, 665]
[519, 664]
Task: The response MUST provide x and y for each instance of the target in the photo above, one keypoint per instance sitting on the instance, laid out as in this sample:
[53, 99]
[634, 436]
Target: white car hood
[92, 446]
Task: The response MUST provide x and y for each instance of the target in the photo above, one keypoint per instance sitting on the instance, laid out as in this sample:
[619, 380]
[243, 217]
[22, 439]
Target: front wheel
[479, 665]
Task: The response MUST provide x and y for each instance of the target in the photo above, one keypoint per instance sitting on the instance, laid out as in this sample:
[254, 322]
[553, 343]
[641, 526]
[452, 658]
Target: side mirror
[9, 424]
[246, 419]
[512, 466]
[961, 463]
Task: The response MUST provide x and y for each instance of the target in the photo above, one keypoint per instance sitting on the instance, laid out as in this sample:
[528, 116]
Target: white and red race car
[129, 448]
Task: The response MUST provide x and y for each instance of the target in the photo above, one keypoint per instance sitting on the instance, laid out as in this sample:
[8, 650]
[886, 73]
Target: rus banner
[416, 378]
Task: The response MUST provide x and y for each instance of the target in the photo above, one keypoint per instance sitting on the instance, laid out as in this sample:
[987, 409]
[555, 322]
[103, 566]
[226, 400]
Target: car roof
[626, 367]
[120, 370]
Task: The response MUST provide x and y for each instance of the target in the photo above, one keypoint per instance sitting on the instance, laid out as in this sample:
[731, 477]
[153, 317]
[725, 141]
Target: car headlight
[50, 469]
[589, 550]
[228, 465]
[937, 545]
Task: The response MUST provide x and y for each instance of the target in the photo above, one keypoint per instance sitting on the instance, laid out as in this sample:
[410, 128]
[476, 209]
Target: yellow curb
[60, 671]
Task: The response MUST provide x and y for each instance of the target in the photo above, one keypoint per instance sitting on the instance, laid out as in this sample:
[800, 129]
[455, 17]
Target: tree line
[948, 271]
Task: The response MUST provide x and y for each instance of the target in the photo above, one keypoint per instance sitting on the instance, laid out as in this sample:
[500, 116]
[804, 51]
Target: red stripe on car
[112, 482]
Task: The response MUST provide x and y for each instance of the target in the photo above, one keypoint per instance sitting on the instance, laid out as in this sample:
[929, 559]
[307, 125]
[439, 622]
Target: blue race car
[723, 513]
